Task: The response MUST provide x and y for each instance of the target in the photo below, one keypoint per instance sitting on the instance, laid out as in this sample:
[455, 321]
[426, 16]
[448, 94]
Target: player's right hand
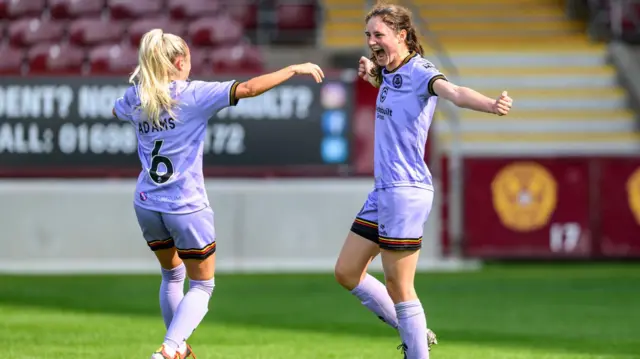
[364, 68]
[309, 69]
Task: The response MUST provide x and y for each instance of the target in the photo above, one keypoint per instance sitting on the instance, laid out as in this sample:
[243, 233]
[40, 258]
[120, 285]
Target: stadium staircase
[567, 96]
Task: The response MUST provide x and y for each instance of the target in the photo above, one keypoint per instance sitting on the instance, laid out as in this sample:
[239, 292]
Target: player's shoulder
[422, 64]
[131, 93]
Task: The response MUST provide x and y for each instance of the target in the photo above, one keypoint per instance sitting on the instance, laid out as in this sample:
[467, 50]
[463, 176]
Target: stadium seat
[295, 16]
[92, 31]
[139, 27]
[4, 8]
[112, 58]
[200, 60]
[237, 58]
[245, 12]
[133, 9]
[189, 9]
[12, 60]
[24, 8]
[55, 58]
[215, 31]
[71, 9]
[27, 32]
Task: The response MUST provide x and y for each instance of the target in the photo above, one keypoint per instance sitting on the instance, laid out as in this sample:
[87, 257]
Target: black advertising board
[63, 127]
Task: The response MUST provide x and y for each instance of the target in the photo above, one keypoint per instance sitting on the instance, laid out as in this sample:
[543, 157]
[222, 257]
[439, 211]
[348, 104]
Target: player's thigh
[194, 236]
[402, 213]
[157, 237]
[355, 256]
[360, 246]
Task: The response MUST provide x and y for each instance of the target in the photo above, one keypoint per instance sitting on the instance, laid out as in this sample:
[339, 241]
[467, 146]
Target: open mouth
[380, 55]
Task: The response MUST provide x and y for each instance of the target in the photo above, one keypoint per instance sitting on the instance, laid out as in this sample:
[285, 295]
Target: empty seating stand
[102, 36]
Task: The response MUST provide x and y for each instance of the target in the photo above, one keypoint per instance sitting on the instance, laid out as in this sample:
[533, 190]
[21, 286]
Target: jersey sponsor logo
[633, 192]
[397, 81]
[524, 196]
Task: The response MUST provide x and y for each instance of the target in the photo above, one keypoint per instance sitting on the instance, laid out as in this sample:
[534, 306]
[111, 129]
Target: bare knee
[355, 256]
[347, 276]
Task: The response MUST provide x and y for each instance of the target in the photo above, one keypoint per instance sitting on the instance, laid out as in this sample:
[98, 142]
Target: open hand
[309, 69]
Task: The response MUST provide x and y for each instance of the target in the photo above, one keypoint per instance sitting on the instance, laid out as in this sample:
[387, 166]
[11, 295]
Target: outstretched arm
[263, 83]
[470, 99]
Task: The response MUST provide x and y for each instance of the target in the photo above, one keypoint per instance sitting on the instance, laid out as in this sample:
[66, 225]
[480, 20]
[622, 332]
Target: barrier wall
[578, 207]
[262, 225]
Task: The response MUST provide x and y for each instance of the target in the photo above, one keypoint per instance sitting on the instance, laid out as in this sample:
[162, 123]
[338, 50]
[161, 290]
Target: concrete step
[514, 146]
[530, 13]
[542, 115]
[511, 59]
[534, 126]
[568, 93]
[352, 14]
[443, 27]
[537, 82]
[344, 3]
[555, 104]
[540, 138]
[565, 43]
[466, 3]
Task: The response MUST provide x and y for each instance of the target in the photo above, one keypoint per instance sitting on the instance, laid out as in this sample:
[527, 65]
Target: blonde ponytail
[154, 71]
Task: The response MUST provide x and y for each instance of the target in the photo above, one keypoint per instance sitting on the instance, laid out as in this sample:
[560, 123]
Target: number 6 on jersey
[156, 160]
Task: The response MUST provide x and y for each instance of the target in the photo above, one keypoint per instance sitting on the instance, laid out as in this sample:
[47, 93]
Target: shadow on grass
[315, 303]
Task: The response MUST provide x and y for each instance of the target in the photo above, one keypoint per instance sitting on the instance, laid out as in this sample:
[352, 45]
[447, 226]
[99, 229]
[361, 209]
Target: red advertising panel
[620, 203]
[526, 208]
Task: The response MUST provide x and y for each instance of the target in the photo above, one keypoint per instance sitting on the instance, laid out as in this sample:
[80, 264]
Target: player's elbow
[454, 95]
[245, 90]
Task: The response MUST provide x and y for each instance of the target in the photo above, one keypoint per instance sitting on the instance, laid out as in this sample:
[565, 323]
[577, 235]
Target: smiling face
[388, 46]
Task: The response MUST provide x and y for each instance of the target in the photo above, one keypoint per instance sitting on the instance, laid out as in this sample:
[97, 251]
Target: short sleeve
[423, 76]
[211, 97]
[124, 106]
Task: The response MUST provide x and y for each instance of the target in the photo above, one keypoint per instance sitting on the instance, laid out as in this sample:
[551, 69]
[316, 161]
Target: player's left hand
[503, 104]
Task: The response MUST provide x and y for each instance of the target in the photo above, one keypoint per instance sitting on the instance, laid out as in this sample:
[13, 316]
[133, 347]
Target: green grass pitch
[503, 311]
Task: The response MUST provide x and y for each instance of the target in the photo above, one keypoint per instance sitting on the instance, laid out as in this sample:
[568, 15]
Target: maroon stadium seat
[295, 16]
[133, 9]
[238, 58]
[112, 58]
[26, 32]
[71, 9]
[139, 27]
[4, 9]
[92, 31]
[24, 8]
[12, 59]
[185, 9]
[243, 11]
[215, 31]
[200, 62]
[54, 58]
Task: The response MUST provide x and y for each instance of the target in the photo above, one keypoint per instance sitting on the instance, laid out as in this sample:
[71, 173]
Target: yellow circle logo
[633, 192]
[524, 196]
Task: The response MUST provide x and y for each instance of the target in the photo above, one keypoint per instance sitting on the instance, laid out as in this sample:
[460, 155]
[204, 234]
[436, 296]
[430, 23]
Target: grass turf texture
[502, 311]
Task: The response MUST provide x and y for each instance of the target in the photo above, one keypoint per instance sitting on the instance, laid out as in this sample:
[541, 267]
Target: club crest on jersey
[397, 81]
[383, 94]
[524, 196]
